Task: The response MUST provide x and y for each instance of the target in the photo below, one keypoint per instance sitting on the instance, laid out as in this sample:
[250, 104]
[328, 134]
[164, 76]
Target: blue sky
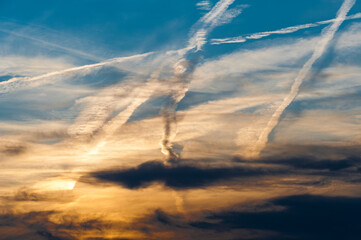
[147, 119]
[113, 28]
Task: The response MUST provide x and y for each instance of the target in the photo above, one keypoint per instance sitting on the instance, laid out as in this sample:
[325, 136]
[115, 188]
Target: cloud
[183, 68]
[177, 177]
[349, 39]
[17, 66]
[12, 148]
[32, 225]
[41, 131]
[223, 73]
[31, 195]
[314, 159]
[299, 217]
[316, 164]
[50, 225]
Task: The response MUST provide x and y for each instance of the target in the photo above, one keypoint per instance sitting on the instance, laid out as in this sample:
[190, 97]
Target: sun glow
[56, 185]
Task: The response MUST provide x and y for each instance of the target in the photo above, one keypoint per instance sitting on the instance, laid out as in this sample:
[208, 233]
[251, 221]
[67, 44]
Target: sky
[182, 119]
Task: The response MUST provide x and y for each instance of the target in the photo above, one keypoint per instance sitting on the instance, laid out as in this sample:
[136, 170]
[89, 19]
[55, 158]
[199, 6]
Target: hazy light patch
[56, 185]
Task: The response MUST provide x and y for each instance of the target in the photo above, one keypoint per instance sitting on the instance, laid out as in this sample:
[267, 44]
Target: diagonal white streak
[54, 45]
[286, 30]
[196, 41]
[327, 35]
[207, 23]
[209, 18]
[97, 112]
[14, 83]
[216, 11]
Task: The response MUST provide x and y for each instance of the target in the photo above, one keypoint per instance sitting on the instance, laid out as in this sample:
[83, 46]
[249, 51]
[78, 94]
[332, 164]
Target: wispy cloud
[13, 65]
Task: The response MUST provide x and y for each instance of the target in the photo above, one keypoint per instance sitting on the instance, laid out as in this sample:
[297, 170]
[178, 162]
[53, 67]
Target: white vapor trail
[14, 83]
[54, 45]
[94, 117]
[182, 70]
[145, 92]
[216, 16]
[216, 12]
[286, 30]
[92, 121]
[326, 36]
[110, 127]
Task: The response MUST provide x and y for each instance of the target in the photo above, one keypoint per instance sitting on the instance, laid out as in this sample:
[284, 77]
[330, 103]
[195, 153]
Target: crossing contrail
[183, 68]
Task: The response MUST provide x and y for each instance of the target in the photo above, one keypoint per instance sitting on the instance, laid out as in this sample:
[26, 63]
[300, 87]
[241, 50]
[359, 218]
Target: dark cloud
[302, 217]
[32, 225]
[24, 194]
[284, 151]
[38, 226]
[177, 176]
[316, 164]
[307, 162]
[162, 217]
[177, 226]
[48, 235]
[90, 238]
[12, 150]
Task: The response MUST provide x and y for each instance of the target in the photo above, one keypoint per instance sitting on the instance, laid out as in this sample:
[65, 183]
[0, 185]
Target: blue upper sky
[112, 28]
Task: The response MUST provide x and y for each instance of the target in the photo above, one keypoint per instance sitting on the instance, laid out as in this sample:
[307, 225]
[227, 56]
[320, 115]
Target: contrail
[180, 77]
[326, 36]
[169, 110]
[92, 121]
[213, 18]
[183, 69]
[100, 106]
[216, 12]
[286, 30]
[14, 83]
[54, 45]
[108, 129]
[145, 92]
